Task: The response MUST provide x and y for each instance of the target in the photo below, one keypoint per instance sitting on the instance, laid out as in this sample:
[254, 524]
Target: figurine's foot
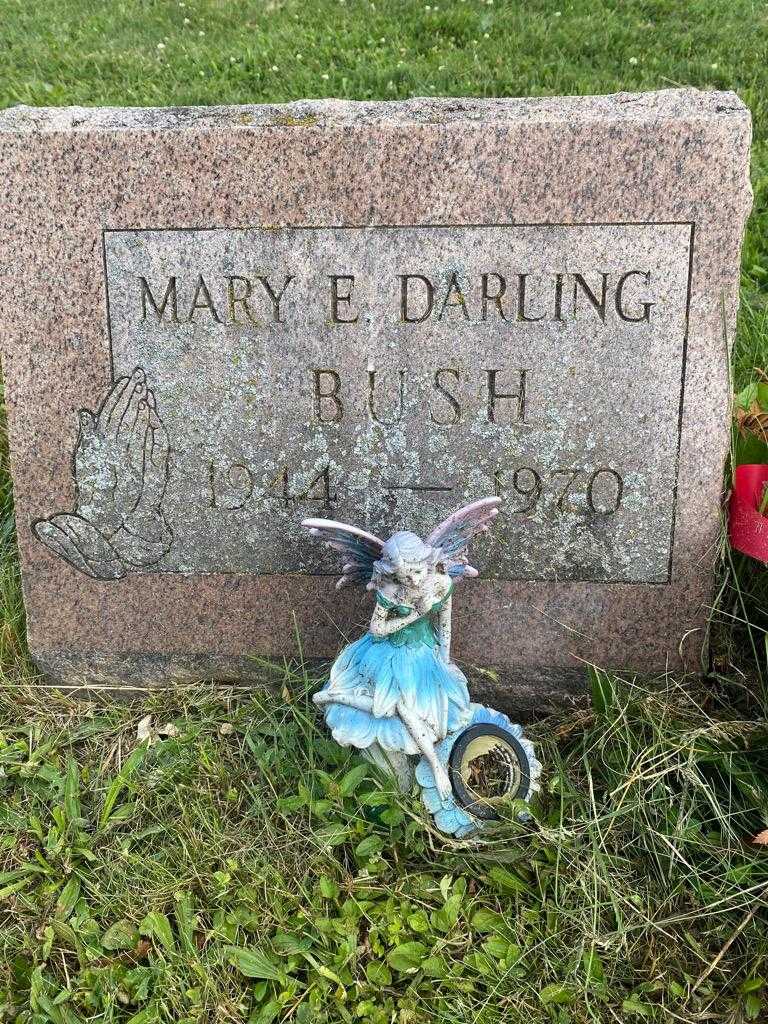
[442, 781]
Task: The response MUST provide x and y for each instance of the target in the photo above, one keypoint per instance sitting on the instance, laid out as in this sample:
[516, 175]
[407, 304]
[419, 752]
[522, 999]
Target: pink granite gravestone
[220, 321]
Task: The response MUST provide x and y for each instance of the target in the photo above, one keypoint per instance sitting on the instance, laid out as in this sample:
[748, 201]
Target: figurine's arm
[444, 629]
[358, 701]
[381, 625]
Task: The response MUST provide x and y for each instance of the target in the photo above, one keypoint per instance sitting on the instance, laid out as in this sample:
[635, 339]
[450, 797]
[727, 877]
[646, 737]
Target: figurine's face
[411, 574]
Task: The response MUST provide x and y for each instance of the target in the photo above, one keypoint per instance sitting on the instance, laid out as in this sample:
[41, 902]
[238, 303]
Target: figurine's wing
[453, 535]
[360, 549]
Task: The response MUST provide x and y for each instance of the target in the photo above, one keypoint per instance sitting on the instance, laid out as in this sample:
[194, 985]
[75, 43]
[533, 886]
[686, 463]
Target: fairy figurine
[395, 694]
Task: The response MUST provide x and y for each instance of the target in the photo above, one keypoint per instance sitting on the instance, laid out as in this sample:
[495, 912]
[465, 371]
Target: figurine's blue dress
[404, 666]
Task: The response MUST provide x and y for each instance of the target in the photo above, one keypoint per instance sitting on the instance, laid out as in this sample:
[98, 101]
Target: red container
[748, 527]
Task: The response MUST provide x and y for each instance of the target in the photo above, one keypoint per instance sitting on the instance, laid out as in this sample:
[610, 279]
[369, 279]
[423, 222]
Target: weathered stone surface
[223, 320]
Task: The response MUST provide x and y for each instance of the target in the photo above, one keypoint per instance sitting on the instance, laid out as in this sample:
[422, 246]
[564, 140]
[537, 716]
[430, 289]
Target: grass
[242, 867]
[223, 860]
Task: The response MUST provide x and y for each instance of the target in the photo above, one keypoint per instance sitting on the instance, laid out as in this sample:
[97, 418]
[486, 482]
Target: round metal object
[488, 764]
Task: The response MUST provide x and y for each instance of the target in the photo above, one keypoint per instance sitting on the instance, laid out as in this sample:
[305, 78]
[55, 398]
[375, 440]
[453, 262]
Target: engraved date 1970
[573, 489]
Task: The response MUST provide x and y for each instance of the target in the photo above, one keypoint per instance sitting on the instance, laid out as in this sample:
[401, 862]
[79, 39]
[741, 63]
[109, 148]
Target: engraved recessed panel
[385, 376]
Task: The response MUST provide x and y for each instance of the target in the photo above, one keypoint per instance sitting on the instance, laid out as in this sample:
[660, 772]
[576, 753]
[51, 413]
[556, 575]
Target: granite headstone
[220, 321]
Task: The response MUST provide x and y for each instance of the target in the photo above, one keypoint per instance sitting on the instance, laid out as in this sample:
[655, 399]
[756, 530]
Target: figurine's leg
[393, 762]
[422, 736]
[361, 703]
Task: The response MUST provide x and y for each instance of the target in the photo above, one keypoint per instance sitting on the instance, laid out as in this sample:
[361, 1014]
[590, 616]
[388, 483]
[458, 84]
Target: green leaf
[9, 890]
[260, 991]
[371, 846]
[751, 985]
[634, 1006]
[119, 782]
[14, 876]
[749, 448]
[603, 691]
[487, 921]
[332, 834]
[289, 944]
[507, 882]
[267, 1013]
[65, 933]
[446, 917]
[289, 804]
[321, 807]
[376, 798]
[753, 1006]
[253, 963]
[185, 921]
[122, 934]
[72, 792]
[378, 973]
[675, 988]
[157, 926]
[392, 816]
[328, 888]
[434, 967]
[754, 392]
[593, 967]
[146, 1016]
[123, 813]
[499, 948]
[68, 897]
[418, 921]
[407, 957]
[557, 994]
[326, 972]
[745, 397]
[352, 779]
[482, 964]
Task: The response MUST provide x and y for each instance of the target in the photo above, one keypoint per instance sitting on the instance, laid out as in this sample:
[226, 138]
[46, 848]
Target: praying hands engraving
[121, 472]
